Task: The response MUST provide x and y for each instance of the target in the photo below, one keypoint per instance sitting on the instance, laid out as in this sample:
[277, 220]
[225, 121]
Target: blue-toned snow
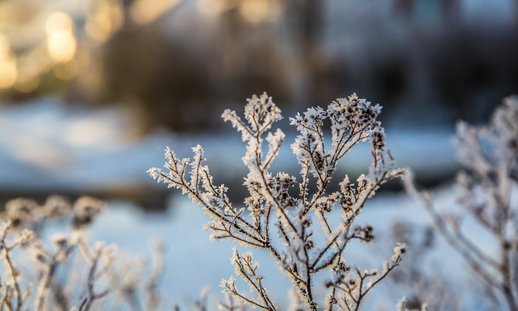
[193, 262]
[46, 146]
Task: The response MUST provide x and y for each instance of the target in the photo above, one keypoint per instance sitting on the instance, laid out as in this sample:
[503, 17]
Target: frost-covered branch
[247, 269]
[24, 238]
[49, 266]
[490, 154]
[52, 262]
[353, 290]
[353, 120]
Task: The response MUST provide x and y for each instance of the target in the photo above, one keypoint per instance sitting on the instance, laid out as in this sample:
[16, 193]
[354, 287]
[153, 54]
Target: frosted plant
[25, 219]
[46, 274]
[271, 206]
[490, 154]
[422, 279]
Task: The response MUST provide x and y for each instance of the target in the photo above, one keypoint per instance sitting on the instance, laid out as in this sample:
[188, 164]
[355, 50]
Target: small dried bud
[60, 241]
[20, 211]
[85, 210]
[310, 244]
[399, 250]
[41, 258]
[56, 206]
[26, 236]
[328, 284]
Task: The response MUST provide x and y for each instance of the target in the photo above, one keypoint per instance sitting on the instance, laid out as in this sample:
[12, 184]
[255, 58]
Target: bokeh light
[258, 10]
[61, 42]
[8, 70]
[106, 17]
[214, 7]
[146, 11]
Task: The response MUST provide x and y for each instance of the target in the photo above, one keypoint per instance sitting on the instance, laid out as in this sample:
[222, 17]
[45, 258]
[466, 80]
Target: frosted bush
[272, 209]
[64, 271]
[423, 279]
[485, 191]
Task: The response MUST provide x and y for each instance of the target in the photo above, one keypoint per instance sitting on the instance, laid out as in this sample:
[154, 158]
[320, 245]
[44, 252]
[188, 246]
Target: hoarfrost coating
[490, 155]
[270, 203]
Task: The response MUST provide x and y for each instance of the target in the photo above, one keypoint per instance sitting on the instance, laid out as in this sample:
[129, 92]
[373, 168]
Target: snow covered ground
[45, 146]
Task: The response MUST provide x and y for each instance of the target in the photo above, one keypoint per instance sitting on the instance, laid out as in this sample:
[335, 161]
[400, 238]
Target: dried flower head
[85, 210]
[56, 206]
[59, 240]
[21, 211]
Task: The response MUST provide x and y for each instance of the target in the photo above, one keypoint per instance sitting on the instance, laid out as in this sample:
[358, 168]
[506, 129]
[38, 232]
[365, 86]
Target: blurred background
[92, 91]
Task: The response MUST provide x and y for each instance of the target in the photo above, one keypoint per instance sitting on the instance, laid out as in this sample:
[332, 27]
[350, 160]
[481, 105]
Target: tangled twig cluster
[490, 153]
[270, 205]
[64, 272]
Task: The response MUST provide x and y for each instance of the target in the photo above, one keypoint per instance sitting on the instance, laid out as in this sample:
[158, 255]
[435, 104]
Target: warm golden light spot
[147, 11]
[259, 10]
[5, 47]
[8, 74]
[27, 85]
[106, 18]
[66, 71]
[214, 7]
[61, 43]
[116, 10]
[254, 10]
[59, 21]
[99, 27]
[61, 46]
[8, 69]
